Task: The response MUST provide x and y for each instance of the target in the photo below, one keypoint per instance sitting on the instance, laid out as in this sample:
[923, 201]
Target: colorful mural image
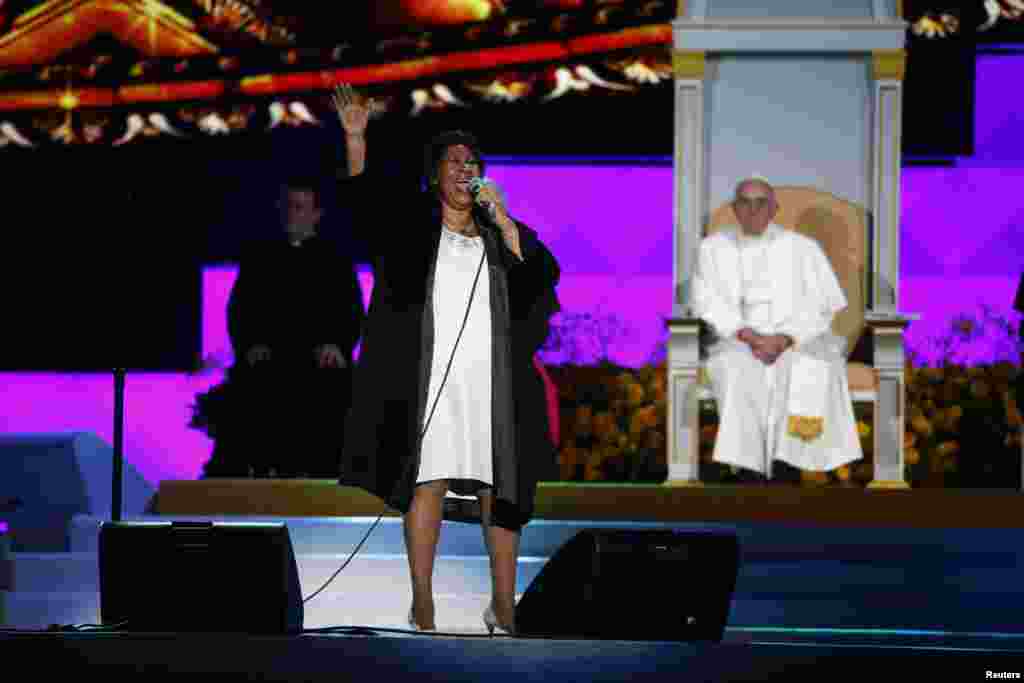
[115, 71]
[983, 19]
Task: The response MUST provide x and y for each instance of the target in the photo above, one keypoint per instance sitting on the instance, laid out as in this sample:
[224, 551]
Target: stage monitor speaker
[626, 584]
[212, 577]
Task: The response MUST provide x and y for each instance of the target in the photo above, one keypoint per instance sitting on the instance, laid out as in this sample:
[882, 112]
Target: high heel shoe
[413, 625]
[491, 622]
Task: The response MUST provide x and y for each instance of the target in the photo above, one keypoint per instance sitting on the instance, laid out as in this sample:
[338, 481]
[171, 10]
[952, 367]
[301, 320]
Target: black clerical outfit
[285, 416]
[403, 229]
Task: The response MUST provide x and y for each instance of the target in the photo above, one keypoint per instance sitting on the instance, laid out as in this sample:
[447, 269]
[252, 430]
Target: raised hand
[353, 109]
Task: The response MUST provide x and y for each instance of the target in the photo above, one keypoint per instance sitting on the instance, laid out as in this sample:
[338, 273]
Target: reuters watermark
[1002, 675]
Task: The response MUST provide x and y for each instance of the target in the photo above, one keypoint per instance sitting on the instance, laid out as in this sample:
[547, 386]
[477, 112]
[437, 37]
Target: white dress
[457, 444]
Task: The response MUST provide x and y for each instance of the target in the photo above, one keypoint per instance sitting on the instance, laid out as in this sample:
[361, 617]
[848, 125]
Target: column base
[683, 475]
[683, 483]
[888, 484]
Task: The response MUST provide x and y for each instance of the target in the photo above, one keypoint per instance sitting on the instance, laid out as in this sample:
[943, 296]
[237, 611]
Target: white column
[886, 179]
[887, 325]
[689, 199]
[890, 407]
[688, 189]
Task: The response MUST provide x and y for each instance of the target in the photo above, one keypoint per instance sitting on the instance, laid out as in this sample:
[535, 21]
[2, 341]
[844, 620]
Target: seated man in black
[294, 317]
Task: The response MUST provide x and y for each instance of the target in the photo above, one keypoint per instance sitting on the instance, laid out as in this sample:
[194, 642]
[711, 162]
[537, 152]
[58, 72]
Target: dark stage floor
[946, 564]
[744, 655]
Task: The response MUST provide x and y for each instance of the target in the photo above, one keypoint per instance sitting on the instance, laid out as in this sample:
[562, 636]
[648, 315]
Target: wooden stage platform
[791, 505]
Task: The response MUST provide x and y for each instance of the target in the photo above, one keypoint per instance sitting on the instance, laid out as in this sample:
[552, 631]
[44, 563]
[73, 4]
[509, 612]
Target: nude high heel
[491, 622]
[414, 626]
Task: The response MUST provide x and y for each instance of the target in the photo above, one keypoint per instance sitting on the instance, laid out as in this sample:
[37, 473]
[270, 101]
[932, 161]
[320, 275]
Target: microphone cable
[423, 433]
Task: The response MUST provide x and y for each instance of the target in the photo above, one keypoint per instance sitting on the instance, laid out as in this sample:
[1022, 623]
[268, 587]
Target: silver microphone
[477, 184]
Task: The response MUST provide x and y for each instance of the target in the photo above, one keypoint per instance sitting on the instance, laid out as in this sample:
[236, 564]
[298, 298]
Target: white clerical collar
[767, 236]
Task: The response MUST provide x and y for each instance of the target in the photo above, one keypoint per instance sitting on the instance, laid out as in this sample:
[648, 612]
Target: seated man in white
[778, 372]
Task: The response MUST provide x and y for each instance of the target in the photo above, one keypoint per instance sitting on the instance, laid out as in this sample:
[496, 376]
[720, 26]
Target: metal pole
[116, 490]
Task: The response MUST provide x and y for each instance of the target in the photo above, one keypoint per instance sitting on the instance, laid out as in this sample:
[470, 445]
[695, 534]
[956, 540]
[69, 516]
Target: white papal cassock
[778, 283]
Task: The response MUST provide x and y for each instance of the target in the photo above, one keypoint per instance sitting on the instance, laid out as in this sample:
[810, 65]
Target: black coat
[381, 455]
[294, 299]
[285, 415]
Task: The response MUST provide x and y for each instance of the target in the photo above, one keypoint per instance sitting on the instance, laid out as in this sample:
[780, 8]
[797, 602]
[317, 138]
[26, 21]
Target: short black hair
[437, 147]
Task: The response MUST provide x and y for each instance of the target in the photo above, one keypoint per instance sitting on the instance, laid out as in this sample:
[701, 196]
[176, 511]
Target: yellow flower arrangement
[812, 478]
[614, 425]
[952, 417]
[920, 424]
[980, 389]
[604, 426]
[1013, 416]
[655, 440]
[584, 418]
[643, 419]
[635, 396]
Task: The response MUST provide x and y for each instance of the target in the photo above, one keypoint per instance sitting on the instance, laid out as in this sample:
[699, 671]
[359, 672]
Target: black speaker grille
[199, 577]
[634, 585]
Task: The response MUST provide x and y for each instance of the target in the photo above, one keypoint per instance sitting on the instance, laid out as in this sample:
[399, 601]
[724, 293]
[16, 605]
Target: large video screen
[117, 72]
[121, 72]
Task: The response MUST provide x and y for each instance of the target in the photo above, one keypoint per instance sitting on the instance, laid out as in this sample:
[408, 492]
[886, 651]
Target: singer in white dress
[487, 437]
